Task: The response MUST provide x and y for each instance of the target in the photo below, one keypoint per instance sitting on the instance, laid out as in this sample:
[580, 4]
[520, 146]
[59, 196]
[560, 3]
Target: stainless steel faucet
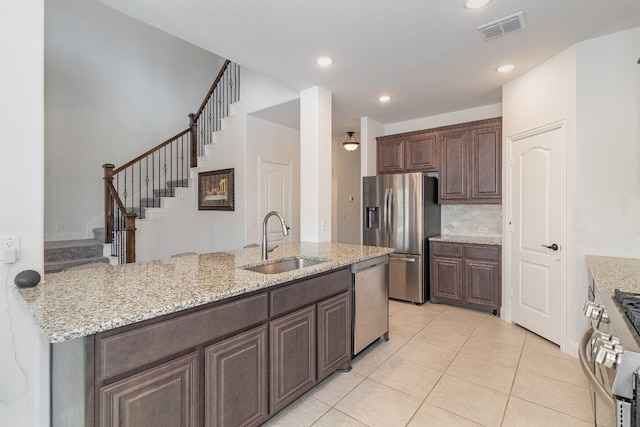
[265, 244]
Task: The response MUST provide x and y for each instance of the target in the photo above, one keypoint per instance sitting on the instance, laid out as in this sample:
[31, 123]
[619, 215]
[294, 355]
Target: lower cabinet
[293, 356]
[334, 334]
[229, 364]
[236, 381]
[166, 395]
[466, 274]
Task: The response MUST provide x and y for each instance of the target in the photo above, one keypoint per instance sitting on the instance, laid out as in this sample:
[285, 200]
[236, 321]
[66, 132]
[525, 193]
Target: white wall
[347, 193]
[24, 382]
[595, 86]
[270, 141]
[114, 88]
[182, 227]
[454, 117]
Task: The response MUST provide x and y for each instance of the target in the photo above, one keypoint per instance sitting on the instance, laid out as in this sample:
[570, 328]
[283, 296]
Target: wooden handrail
[124, 178]
[153, 150]
[213, 87]
[110, 195]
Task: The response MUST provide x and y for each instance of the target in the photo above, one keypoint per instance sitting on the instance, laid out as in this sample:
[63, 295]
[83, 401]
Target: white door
[537, 183]
[275, 195]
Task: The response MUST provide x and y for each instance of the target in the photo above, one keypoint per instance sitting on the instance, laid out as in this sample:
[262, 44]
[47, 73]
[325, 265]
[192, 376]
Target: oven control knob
[595, 312]
[607, 357]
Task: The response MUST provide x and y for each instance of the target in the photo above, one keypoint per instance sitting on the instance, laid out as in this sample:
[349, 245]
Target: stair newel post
[131, 237]
[108, 202]
[193, 126]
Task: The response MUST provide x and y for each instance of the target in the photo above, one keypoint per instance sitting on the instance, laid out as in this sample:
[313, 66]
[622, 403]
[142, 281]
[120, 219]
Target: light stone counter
[612, 273]
[78, 303]
[479, 240]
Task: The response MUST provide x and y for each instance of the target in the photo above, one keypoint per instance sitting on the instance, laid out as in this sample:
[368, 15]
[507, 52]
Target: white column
[315, 165]
[369, 130]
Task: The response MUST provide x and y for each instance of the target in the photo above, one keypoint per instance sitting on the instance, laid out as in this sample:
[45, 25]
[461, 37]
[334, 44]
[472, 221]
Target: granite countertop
[479, 240]
[78, 303]
[612, 273]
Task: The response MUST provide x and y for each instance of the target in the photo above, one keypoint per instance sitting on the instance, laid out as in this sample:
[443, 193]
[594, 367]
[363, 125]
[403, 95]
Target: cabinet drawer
[125, 351]
[308, 291]
[489, 253]
[447, 249]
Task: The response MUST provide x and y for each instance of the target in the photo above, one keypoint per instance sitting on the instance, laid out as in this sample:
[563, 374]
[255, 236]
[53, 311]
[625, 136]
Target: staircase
[66, 254]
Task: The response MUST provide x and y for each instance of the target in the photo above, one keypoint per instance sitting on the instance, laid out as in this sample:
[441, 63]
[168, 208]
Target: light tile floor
[449, 366]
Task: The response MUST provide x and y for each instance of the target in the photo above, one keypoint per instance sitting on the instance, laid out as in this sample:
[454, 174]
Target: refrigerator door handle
[391, 222]
[386, 215]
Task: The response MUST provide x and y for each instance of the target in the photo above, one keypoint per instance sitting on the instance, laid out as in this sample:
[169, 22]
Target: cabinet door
[334, 334]
[293, 356]
[166, 395]
[486, 164]
[236, 381]
[482, 283]
[390, 154]
[454, 166]
[446, 279]
[421, 152]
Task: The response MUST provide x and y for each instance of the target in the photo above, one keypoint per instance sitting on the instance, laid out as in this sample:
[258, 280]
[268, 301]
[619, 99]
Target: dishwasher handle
[368, 264]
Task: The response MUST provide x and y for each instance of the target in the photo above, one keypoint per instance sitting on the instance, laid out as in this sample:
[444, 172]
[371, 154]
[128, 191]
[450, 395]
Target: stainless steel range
[610, 356]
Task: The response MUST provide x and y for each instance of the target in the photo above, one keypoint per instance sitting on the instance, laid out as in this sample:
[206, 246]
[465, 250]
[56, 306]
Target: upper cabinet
[411, 152]
[470, 163]
[390, 154]
[467, 157]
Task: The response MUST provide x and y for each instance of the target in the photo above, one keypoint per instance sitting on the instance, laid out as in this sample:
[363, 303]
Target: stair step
[58, 266]
[99, 234]
[65, 250]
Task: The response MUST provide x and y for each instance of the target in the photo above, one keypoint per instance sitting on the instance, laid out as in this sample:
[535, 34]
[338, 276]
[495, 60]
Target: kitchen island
[195, 340]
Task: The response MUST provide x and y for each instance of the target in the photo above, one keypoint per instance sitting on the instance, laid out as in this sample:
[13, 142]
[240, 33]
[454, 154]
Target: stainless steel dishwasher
[370, 302]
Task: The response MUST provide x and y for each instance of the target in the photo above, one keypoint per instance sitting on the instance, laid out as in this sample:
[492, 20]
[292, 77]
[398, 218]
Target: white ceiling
[426, 54]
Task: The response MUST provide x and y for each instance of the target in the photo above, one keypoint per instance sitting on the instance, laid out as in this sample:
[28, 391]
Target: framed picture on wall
[215, 190]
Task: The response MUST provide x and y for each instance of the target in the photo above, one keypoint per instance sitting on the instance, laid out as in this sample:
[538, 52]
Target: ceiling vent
[502, 26]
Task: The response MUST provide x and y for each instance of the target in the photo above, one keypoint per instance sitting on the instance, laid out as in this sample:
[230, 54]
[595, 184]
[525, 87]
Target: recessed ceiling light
[324, 61]
[505, 68]
[384, 98]
[475, 4]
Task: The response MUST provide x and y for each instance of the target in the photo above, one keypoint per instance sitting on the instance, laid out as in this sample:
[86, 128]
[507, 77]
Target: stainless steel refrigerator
[401, 212]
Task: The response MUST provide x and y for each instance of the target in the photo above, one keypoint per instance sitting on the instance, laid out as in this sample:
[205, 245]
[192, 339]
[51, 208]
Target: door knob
[553, 247]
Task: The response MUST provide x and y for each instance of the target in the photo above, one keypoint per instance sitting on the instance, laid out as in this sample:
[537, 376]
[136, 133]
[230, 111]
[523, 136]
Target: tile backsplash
[467, 220]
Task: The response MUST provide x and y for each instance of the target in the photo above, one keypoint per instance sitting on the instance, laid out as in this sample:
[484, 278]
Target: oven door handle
[595, 385]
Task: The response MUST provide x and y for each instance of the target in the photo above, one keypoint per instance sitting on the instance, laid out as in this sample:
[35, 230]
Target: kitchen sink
[285, 266]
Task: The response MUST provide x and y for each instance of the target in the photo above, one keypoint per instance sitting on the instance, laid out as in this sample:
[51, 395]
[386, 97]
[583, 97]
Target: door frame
[507, 234]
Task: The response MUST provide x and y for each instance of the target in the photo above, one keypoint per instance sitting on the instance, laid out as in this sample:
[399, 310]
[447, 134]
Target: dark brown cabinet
[230, 363]
[411, 152]
[293, 356]
[471, 162]
[390, 154]
[236, 381]
[421, 152]
[166, 395]
[468, 157]
[334, 339]
[466, 274]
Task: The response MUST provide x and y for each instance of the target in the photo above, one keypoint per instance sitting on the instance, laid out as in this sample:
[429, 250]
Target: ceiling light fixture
[351, 143]
[384, 98]
[475, 4]
[324, 61]
[505, 68]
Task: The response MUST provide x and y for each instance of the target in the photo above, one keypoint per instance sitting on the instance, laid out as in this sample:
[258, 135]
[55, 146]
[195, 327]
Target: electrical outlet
[60, 226]
[9, 242]
[482, 229]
